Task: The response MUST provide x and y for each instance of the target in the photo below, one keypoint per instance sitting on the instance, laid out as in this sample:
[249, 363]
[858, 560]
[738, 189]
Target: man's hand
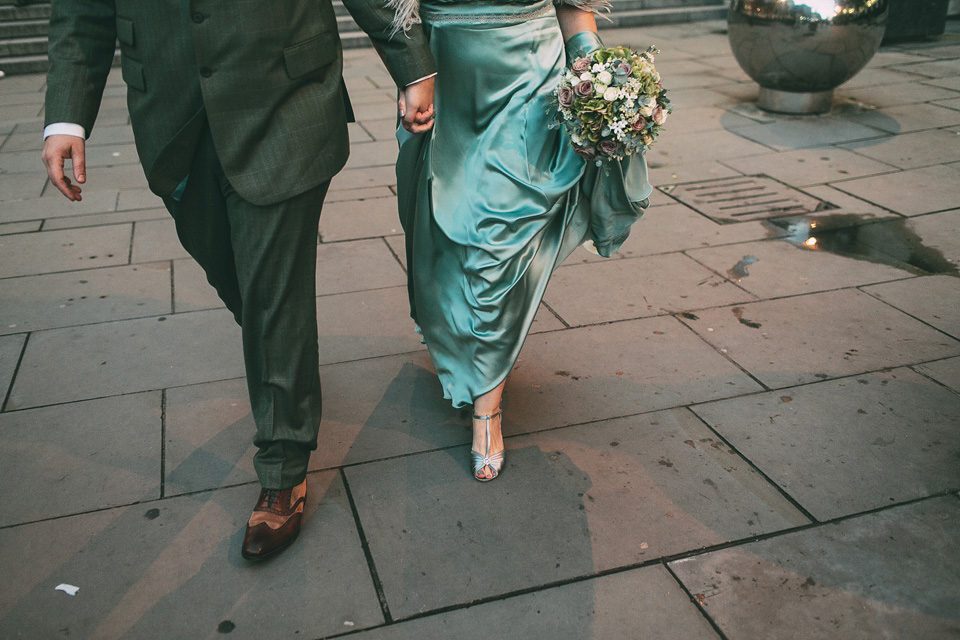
[416, 106]
[56, 149]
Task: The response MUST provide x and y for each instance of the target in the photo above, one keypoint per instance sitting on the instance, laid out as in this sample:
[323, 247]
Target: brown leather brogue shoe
[275, 521]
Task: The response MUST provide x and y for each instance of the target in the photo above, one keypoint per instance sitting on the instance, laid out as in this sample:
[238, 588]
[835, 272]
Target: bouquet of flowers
[612, 103]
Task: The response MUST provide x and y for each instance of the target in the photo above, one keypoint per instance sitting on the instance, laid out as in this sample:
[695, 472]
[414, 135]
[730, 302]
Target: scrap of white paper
[68, 589]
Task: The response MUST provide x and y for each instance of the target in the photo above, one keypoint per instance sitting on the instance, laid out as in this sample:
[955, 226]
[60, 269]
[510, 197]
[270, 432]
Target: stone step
[23, 28]
[23, 41]
[26, 12]
[669, 15]
[16, 47]
[14, 65]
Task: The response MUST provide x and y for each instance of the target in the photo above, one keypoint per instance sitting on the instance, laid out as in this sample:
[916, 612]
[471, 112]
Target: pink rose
[584, 89]
[580, 65]
[659, 115]
[565, 96]
[640, 124]
[624, 68]
[607, 147]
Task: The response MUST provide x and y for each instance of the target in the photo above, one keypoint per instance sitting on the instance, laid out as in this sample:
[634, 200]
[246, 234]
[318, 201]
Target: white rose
[597, 67]
[611, 94]
[600, 88]
[586, 76]
[605, 77]
[646, 111]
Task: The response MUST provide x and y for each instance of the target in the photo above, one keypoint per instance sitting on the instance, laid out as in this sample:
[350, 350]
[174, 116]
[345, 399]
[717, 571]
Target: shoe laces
[272, 498]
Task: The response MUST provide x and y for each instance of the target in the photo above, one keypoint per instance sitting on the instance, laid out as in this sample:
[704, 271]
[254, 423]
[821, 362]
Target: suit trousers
[262, 262]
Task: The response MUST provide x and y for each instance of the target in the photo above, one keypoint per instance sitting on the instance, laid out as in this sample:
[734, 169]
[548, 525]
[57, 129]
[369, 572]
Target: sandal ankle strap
[487, 417]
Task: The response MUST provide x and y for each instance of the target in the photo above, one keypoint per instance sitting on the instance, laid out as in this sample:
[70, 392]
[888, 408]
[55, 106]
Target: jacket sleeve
[83, 38]
[406, 54]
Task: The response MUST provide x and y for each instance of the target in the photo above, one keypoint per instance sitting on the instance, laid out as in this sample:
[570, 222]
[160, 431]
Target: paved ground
[744, 430]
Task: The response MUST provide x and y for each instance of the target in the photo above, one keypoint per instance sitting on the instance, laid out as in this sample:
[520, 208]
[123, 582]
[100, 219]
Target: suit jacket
[266, 76]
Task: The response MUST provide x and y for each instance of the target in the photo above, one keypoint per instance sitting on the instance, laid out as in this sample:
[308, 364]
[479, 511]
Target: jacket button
[198, 17]
[206, 72]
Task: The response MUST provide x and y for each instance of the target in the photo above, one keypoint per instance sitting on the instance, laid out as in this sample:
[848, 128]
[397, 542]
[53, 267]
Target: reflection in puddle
[889, 242]
[739, 270]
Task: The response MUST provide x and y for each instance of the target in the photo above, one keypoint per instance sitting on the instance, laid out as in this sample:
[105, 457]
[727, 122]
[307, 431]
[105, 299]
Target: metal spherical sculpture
[799, 51]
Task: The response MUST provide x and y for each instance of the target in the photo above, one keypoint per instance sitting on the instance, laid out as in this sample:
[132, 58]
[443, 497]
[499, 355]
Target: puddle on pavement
[889, 242]
[739, 270]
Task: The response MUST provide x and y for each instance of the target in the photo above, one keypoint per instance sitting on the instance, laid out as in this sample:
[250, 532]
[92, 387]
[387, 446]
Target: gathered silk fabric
[493, 198]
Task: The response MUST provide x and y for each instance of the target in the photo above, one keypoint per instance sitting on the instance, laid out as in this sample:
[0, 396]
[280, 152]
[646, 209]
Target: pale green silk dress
[493, 198]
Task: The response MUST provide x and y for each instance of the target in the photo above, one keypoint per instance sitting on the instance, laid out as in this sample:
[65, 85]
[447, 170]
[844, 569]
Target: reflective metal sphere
[799, 51]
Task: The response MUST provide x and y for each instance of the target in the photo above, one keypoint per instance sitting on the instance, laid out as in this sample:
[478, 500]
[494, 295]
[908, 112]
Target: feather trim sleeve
[596, 6]
[406, 14]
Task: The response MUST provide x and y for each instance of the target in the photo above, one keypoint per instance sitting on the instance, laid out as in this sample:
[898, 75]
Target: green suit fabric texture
[245, 99]
[266, 76]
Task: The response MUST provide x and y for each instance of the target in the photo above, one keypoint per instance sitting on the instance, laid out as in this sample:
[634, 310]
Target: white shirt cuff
[422, 79]
[63, 129]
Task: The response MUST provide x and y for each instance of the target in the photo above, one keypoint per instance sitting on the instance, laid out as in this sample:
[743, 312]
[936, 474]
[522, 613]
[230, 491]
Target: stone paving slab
[849, 445]
[96, 157]
[342, 267]
[18, 187]
[365, 324]
[911, 150]
[946, 372]
[92, 361]
[933, 69]
[43, 208]
[373, 154]
[824, 335]
[937, 232]
[797, 133]
[666, 171]
[614, 606]
[882, 575]
[806, 167]
[8, 228]
[932, 299]
[637, 288]
[677, 227]
[683, 147]
[846, 204]
[383, 129]
[191, 291]
[372, 409]
[10, 349]
[80, 456]
[166, 557]
[425, 525]
[33, 303]
[363, 179]
[595, 373]
[880, 77]
[953, 103]
[907, 118]
[138, 199]
[361, 219]
[910, 192]
[155, 240]
[36, 253]
[776, 268]
[896, 95]
[114, 178]
[100, 219]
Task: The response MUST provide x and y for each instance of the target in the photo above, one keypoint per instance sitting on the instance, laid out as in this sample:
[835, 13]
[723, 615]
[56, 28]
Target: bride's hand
[416, 106]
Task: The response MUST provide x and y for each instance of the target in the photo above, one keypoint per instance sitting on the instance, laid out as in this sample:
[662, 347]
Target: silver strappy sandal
[494, 461]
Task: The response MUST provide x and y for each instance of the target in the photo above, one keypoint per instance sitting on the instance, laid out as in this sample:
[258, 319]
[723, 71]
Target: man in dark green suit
[240, 118]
